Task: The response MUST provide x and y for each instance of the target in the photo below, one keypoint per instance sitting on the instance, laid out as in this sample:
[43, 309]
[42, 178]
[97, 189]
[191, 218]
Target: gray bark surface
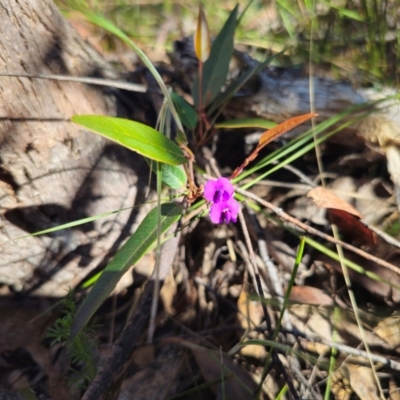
[52, 171]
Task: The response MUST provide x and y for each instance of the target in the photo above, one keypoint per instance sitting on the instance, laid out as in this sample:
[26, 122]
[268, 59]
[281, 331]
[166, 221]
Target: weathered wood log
[51, 171]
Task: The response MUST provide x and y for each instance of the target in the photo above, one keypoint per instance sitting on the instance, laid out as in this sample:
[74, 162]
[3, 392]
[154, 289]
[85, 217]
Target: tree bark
[51, 171]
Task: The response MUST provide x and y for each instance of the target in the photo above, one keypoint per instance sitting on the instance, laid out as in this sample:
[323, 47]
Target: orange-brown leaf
[273, 133]
[270, 135]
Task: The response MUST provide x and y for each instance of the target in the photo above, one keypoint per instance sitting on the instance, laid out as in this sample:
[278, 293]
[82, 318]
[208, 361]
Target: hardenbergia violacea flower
[224, 208]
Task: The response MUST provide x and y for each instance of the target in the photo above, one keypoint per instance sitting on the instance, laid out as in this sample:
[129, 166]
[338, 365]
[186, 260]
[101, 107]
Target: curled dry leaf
[344, 215]
[271, 134]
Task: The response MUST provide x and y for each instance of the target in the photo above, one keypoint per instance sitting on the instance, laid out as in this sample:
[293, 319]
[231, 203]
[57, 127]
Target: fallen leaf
[352, 227]
[389, 330]
[310, 295]
[362, 382]
[343, 214]
[324, 198]
[270, 135]
[250, 315]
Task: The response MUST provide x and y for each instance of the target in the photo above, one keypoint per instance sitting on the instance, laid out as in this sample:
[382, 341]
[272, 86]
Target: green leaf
[215, 69]
[352, 14]
[172, 175]
[246, 123]
[135, 136]
[186, 112]
[129, 254]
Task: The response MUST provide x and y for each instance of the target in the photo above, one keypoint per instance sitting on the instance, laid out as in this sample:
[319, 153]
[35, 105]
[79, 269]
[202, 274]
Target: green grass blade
[107, 25]
[246, 123]
[129, 254]
[135, 136]
[304, 142]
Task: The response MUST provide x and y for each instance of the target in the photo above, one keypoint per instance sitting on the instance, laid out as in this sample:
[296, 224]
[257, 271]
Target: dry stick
[305, 338]
[128, 339]
[286, 217]
[256, 273]
[132, 87]
[387, 238]
[394, 365]
[275, 357]
[303, 380]
[270, 266]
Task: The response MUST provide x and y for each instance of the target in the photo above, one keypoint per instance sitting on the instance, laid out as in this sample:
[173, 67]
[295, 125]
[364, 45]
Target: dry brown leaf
[249, 316]
[324, 198]
[374, 201]
[362, 382]
[168, 292]
[389, 330]
[271, 134]
[352, 227]
[250, 312]
[342, 214]
[394, 393]
[310, 295]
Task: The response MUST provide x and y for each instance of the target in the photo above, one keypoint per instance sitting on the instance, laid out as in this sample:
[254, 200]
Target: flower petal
[219, 190]
[234, 208]
[224, 212]
[209, 190]
[216, 213]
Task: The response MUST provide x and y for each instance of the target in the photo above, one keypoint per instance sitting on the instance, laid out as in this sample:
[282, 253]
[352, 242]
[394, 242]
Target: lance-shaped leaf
[215, 69]
[186, 112]
[202, 37]
[135, 136]
[270, 135]
[129, 254]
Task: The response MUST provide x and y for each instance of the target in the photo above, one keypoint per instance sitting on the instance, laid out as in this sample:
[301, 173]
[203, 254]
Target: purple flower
[224, 208]
[224, 211]
[219, 190]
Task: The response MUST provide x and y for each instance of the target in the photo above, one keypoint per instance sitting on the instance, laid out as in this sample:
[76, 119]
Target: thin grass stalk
[356, 311]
